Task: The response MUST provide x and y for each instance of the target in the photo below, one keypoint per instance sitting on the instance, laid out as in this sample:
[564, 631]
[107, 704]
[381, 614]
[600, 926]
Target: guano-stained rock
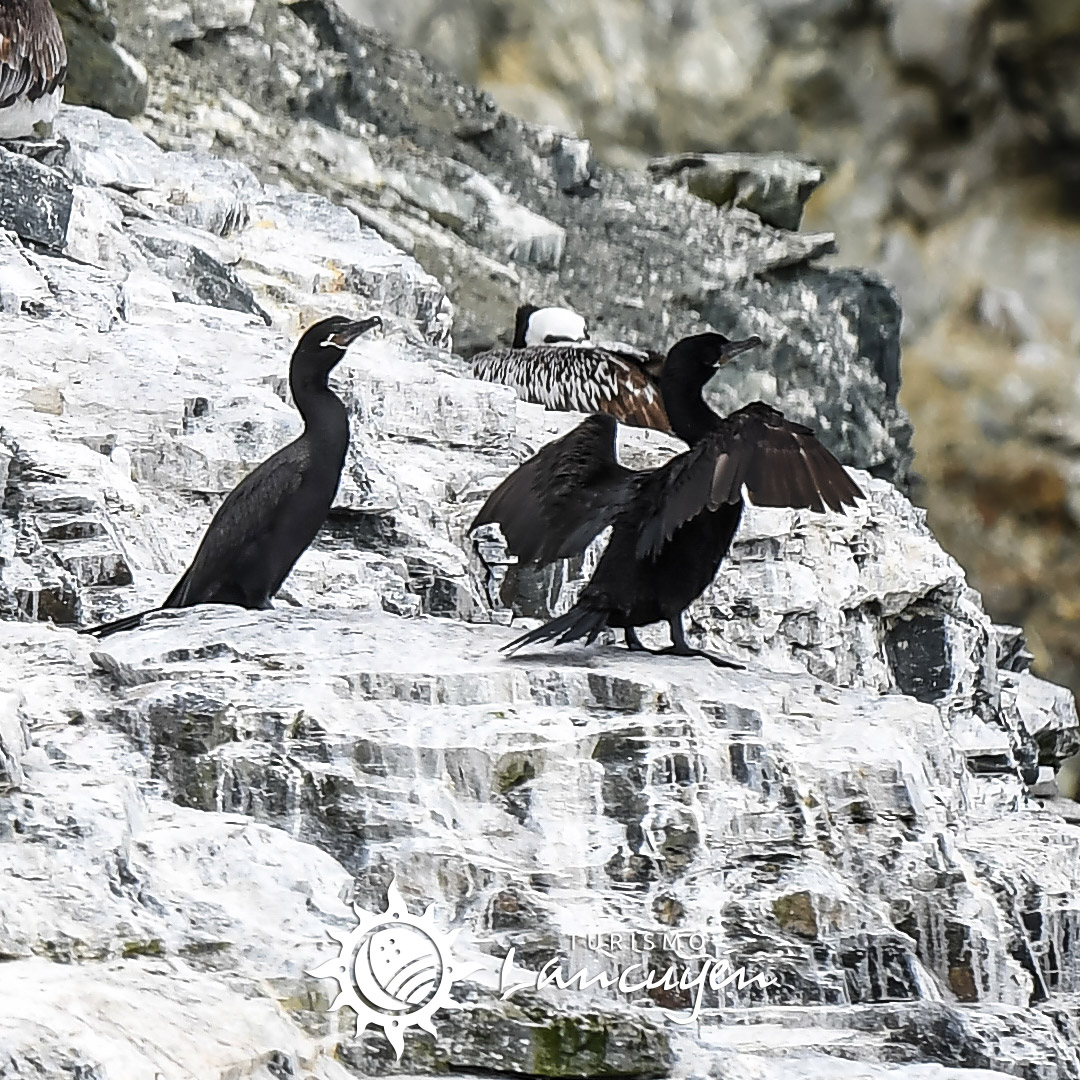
[187, 809]
[477, 197]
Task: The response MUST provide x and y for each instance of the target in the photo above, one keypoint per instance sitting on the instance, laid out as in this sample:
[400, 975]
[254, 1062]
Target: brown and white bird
[33, 64]
[553, 362]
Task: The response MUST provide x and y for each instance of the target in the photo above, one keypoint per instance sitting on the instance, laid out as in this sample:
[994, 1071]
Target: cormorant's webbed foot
[719, 661]
[681, 647]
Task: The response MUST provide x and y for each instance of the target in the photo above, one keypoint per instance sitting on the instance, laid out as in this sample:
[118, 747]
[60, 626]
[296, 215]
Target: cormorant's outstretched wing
[581, 378]
[248, 513]
[554, 504]
[33, 59]
[780, 462]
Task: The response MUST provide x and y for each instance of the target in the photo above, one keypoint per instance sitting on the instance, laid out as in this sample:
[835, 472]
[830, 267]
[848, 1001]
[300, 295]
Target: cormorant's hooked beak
[730, 349]
[353, 330]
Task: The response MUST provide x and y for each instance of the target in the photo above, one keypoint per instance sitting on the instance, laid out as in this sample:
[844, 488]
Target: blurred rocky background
[948, 129]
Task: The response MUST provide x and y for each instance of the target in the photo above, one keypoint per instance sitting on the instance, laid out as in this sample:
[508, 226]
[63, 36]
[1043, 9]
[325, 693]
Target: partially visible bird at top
[671, 526]
[553, 362]
[33, 65]
[268, 520]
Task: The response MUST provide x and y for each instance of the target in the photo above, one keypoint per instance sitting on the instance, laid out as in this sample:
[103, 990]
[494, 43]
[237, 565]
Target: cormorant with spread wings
[673, 525]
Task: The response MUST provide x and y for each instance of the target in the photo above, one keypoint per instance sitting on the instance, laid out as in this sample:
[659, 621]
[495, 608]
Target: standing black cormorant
[33, 64]
[552, 362]
[672, 526]
[267, 521]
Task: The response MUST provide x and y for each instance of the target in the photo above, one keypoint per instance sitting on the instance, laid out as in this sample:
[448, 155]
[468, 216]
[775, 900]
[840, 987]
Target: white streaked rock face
[186, 809]
[19, 118]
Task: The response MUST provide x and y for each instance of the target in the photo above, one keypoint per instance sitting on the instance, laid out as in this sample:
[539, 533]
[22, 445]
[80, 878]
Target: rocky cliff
[949, 131]
[187, 810]
[498, 210]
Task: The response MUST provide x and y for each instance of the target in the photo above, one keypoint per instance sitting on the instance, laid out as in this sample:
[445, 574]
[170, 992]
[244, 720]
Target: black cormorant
[552, 362]
[33, 64]
[672, 526]
[267, 521]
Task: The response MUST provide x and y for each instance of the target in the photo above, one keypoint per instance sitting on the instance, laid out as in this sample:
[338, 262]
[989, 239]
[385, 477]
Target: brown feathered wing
[33, 58]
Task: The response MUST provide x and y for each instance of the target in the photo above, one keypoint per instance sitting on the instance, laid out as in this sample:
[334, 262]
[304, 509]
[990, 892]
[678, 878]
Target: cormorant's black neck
[691, 419]
[324, 413]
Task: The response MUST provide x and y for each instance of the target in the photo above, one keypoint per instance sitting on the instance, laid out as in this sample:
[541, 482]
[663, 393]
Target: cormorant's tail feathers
[128, 622]
[578, 622]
